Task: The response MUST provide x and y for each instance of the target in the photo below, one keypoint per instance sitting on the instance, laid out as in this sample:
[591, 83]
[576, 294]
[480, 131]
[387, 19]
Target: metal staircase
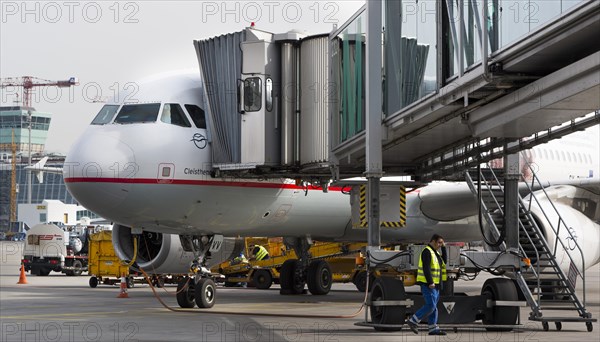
[544, 285]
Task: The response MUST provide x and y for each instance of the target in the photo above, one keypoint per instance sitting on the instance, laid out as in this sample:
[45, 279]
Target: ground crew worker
[431, 274]
[259, 253]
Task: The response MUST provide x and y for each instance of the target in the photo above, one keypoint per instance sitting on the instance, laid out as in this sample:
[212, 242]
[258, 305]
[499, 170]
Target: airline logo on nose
[199, 140]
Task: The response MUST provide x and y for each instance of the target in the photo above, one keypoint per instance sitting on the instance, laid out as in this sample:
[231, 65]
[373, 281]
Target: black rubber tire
[93, 282]
[130, 282]
[545, 326]
[589, 326]
[185, 293]
[319, 277]
[263, 279]
[500, 289]
[288, 278]
[360, 281]
[206, 293]
[386, 288]
[558, 326]
[78, 264]
[160, 282]
[42, 272]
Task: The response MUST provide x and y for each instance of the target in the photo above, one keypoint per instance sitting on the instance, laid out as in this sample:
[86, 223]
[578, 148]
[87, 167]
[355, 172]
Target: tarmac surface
[61, 308]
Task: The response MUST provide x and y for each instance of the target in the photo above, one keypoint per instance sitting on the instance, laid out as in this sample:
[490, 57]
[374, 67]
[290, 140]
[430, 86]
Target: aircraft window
[106, 114]
[138, 113]
[564, 158]
[579, 158]
[197, 115]
[269, 94]
[173, 114]
[252, 94]
[546, 154]
[569, 156]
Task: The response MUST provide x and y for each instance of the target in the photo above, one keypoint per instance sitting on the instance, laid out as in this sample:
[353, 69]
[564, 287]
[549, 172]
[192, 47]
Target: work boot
[413, 326]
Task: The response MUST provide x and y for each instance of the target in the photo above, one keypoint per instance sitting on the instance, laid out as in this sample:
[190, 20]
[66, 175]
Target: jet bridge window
[252, 94]
[106, 114]
[138, 113]
[197, 115]
[173, 114]
[269, 94]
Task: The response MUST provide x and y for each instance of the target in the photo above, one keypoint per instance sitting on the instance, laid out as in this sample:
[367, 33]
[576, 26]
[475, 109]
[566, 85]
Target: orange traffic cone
[22, 277]
[123, 293]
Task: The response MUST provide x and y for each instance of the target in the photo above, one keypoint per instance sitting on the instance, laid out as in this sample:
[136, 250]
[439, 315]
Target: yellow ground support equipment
[104, 265]
[264, 273]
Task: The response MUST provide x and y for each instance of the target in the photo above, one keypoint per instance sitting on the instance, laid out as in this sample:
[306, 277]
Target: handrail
[556, 231]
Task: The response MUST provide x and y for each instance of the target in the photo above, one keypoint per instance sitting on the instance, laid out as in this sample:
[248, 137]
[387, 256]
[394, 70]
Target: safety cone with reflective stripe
[123, 293]
[22, 277]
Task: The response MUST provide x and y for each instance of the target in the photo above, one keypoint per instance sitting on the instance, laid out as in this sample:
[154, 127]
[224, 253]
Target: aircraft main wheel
[205, 291]
[500, 289]
[319, 277]
[77, 264]
[290, 279]
[93, 282]
[387, 289]
[262, 279]
[185, 293]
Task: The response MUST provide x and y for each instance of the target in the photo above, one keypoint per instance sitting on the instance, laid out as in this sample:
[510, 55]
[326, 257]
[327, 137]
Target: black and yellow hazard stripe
[386, 224]
[363, 206]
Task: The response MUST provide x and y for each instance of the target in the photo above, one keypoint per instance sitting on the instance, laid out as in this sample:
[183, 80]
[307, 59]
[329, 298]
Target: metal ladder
[544, 285]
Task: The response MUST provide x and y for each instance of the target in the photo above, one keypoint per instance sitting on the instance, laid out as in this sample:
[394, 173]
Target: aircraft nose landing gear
[199, 289]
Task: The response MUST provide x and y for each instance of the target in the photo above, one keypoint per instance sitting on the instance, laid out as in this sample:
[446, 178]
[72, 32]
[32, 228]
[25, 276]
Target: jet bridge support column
[511, 201]
[373, 121]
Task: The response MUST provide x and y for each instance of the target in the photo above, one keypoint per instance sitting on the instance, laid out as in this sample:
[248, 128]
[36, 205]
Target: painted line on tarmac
[76, 314]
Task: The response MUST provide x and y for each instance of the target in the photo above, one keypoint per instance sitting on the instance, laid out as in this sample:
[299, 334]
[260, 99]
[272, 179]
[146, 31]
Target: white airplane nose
[99, 171]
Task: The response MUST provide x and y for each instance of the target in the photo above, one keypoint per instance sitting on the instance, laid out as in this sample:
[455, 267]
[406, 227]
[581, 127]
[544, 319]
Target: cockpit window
[106, 114]
[173, 114]
[138, 113]
[197, 115]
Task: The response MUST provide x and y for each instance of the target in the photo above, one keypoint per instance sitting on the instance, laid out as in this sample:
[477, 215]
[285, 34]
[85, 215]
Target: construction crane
[27, 83]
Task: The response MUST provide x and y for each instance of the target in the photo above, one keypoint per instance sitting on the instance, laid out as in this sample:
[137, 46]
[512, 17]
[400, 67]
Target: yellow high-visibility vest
[262, 253]
[436, 269]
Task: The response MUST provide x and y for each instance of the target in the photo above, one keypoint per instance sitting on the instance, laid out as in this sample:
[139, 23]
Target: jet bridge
[295, 106]
[258, 104]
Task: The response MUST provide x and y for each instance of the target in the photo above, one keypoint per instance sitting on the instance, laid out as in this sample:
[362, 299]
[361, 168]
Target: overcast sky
[107, 44]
